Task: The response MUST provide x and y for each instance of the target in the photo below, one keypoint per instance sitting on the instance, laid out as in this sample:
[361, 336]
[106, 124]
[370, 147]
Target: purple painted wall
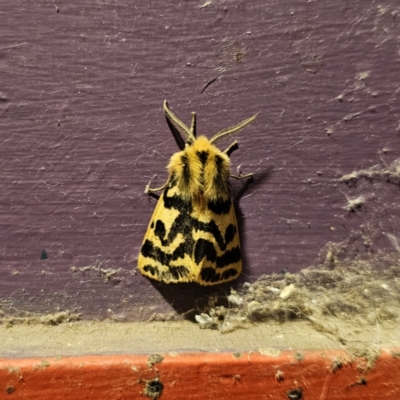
[82, 133]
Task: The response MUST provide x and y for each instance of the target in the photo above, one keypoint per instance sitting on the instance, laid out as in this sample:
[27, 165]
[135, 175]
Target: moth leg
[240, 176]
[229, 150]
[148, 190]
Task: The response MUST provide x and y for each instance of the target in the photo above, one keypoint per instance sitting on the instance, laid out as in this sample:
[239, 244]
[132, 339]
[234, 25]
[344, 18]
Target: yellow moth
[193, 234]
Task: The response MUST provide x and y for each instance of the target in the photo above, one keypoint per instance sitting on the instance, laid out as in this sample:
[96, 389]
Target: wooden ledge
[324, 375]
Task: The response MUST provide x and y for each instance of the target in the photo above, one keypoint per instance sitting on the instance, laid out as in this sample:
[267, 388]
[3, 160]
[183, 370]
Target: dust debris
[362, 381]
[362, 76]
[336, 365]
[395, 243]
[205, 4]
[162, 317]
[387, 173]
[154, 359]
[354, 292]
[231, 55]
[108, 274]
[234, 299]
[299, 356]
[271, 352]
[279, 376]
[370, 354]
[355, 203]
[210, 82]
[206, 322]
[295, 394]
[44, 255]
[286, 292]
[153, 388]
[35, 319]
[43, 364]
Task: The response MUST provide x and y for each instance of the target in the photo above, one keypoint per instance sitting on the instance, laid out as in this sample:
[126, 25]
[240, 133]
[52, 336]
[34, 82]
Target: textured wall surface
[82, 133]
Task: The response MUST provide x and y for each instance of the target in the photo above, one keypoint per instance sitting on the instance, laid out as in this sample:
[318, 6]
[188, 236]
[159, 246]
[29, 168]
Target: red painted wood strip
[323, 375]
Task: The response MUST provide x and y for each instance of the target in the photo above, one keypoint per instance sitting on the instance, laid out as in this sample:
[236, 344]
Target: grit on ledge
[350, 306]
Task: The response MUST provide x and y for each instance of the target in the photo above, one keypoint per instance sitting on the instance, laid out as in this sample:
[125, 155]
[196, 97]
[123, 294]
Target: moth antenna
[177, 136]
[193, 125]
[177, 127]
[233, 129]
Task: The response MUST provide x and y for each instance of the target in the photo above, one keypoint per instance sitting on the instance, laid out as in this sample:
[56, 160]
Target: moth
[193, 233]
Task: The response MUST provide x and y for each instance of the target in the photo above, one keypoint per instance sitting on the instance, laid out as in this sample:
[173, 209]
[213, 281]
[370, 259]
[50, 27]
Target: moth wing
[216, 253]
[165, 254]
